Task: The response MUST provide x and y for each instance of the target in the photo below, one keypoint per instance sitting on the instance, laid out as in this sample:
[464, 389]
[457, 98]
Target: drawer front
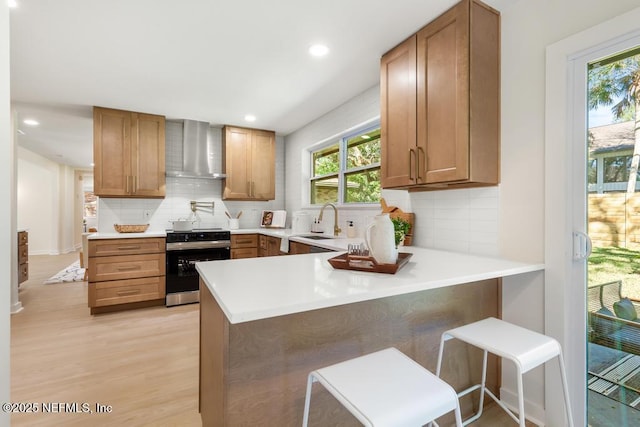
[23, 272]
[244, 241]
[110, 247]
[23, 237]
[23, 254]
[126, 267]
[126, 291]
[244, 253]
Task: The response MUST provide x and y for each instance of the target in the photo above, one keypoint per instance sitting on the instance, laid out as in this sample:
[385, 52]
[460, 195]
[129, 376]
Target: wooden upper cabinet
[457, 94]
[249, 164]
[129, 154]
[398, 115]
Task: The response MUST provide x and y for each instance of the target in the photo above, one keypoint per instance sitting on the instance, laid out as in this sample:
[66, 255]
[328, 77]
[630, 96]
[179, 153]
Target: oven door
[181, 274]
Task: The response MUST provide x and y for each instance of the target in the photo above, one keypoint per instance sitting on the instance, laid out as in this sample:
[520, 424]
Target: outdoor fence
[614, 220]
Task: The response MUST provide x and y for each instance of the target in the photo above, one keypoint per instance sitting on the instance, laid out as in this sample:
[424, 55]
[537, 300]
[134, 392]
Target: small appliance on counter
[301, 223]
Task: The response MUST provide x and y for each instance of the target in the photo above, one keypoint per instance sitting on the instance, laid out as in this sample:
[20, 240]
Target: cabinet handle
[131, 268]
[126, 190]
[420, 150]
[244, 241]
[248, 188]
[411, 151]
[129, 247]
[129, 292]
[135, 184]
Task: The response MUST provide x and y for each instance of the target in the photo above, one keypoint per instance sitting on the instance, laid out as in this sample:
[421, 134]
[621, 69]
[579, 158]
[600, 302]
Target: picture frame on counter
[273, 218]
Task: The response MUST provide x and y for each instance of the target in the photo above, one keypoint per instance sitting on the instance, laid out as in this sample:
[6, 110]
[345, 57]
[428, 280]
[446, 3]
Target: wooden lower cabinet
[255, 373]
[23, 256]
[297, 248]
[269, 246]
[244, 246]
[126, 273]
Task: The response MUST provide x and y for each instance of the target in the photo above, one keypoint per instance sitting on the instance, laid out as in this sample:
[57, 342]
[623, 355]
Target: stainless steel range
[184, 250]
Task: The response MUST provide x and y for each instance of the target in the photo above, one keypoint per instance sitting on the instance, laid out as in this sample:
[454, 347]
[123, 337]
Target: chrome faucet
[336, 229]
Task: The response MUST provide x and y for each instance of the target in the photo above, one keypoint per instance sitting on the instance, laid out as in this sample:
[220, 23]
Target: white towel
[284, 245]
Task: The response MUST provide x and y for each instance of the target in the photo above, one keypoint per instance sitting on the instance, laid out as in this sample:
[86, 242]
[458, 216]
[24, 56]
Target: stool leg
[565, 389]
[520, 398]
[482, 385]
[307, 401]
[440, 351]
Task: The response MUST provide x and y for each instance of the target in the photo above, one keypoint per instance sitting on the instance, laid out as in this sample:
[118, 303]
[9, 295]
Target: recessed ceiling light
[31, 122]
[250, 118]
[12, 3]
[318, 50]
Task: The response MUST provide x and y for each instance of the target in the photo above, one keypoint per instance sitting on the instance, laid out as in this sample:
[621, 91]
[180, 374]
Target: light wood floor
[144, 363]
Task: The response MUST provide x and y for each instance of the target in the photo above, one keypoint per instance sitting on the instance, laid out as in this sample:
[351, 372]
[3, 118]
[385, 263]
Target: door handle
[411, 151]
[420, 150]
[582, 246]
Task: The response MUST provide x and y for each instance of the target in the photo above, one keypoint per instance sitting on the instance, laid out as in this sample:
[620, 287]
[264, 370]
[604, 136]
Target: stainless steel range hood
[197, 153]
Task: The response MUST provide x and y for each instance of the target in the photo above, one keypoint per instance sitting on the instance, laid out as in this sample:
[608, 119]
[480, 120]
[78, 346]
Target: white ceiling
[207, 60]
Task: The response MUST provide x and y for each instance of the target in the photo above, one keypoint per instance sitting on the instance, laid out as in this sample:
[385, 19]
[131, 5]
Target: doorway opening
[613, 225]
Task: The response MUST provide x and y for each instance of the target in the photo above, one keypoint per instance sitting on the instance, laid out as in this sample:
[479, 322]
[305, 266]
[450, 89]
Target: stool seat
[386, 388]
[527, 348]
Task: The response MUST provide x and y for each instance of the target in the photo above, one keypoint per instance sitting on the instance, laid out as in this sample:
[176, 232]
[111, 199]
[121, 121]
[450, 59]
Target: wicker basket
[130, 228]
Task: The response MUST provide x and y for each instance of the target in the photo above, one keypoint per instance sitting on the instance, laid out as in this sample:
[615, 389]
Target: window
[347, 171]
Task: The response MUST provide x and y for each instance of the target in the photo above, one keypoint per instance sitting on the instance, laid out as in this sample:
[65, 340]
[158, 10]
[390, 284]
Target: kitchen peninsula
[265, 323]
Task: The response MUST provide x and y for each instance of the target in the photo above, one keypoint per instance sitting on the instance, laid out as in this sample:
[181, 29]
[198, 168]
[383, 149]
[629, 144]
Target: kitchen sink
[317, 237]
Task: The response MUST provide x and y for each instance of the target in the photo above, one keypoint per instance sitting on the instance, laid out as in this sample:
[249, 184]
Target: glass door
[613, 225]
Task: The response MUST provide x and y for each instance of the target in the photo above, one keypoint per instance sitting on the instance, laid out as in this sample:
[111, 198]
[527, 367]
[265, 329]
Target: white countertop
[116, 235]
[339, 243]
[259, 288]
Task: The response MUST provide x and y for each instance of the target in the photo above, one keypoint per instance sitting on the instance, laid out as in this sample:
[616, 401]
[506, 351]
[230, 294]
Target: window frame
[341, 141]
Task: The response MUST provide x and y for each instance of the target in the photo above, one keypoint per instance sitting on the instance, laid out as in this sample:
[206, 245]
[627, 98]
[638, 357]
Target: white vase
[381, 241]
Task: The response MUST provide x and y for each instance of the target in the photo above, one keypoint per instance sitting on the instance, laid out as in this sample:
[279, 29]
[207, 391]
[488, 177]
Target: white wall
[180, 191]
[45, 205]
[6, 208]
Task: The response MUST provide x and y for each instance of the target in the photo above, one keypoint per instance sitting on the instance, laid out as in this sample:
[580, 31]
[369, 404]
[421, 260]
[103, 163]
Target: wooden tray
[367, 263]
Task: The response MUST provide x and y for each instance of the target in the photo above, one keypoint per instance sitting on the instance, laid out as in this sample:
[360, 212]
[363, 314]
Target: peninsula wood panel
[257, 371]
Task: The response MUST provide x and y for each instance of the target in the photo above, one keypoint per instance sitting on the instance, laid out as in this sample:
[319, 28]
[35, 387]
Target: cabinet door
[273, 246]
[443, 96]
[111, 152]
[263, 160]
[148, 155]
[398, 115]
[236, 146]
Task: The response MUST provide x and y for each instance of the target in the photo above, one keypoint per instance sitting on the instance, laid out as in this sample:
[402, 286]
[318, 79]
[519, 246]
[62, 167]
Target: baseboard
[534, 412]
[16, 308]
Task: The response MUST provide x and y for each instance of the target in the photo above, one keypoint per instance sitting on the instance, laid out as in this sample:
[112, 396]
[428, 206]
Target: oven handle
[185, 246]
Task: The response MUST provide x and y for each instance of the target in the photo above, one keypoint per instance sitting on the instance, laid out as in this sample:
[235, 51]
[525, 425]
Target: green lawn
[609, 264]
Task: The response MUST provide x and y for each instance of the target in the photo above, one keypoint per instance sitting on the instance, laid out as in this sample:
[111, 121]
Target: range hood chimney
[197, 153]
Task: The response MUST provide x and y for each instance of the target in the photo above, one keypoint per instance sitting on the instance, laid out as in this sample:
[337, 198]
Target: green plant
[401, 228]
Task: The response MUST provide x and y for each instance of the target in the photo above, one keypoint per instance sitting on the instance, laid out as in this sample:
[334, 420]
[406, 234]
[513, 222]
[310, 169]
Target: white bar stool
[386, 388]
[525, 348]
